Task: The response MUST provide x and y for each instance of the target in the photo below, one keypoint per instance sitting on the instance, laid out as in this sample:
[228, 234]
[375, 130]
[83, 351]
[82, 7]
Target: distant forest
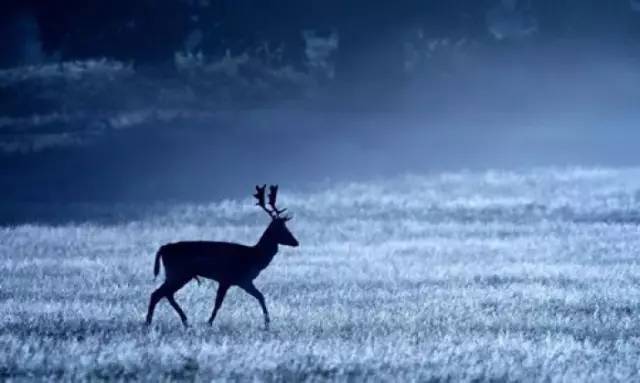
[148, 33]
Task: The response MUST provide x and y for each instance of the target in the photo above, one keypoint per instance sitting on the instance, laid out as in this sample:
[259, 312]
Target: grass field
[495, 276]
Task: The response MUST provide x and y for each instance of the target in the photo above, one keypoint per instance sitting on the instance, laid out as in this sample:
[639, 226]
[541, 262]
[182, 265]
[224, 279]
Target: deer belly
[222, 271]
[216, 273]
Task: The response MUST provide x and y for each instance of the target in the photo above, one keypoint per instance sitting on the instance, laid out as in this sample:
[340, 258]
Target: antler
[273, 195]
[260, 197]
[274, 212]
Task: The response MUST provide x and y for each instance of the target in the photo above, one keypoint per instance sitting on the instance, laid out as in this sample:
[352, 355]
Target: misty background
[142, 102]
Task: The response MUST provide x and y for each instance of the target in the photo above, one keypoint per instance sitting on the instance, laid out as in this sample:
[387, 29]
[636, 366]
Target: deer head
[277, 229]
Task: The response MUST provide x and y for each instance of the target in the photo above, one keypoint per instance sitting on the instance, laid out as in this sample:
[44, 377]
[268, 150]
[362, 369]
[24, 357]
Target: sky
[194, 100]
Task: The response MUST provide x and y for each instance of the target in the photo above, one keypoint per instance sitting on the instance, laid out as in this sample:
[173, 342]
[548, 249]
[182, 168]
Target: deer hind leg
[253, 291]
[167, 290]
[158, 294]
[174, 304]
[222, 291]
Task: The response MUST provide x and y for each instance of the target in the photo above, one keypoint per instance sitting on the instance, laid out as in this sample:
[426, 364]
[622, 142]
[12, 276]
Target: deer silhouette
[230, 264]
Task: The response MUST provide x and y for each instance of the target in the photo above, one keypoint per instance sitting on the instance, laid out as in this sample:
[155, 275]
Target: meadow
[471, 276]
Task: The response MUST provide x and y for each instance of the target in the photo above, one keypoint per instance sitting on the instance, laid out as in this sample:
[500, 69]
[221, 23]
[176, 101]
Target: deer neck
[267, 246]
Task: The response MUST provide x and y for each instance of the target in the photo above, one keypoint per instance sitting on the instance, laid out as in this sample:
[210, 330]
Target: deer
[229, 264]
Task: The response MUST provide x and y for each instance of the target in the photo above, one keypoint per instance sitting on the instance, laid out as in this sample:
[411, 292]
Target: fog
[103, 129]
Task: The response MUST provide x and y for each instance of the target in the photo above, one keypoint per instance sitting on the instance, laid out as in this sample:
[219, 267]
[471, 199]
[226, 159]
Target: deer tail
[156, 266]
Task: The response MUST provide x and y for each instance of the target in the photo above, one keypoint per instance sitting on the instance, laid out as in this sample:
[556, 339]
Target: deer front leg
[222, 291]
[253, 291]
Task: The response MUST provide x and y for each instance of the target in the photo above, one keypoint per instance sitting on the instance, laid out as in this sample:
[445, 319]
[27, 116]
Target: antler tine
[273, 195]
[260, 194]
[260, 197]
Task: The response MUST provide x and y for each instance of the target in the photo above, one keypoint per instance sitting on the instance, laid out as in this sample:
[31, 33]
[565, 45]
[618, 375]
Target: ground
[493, 276]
